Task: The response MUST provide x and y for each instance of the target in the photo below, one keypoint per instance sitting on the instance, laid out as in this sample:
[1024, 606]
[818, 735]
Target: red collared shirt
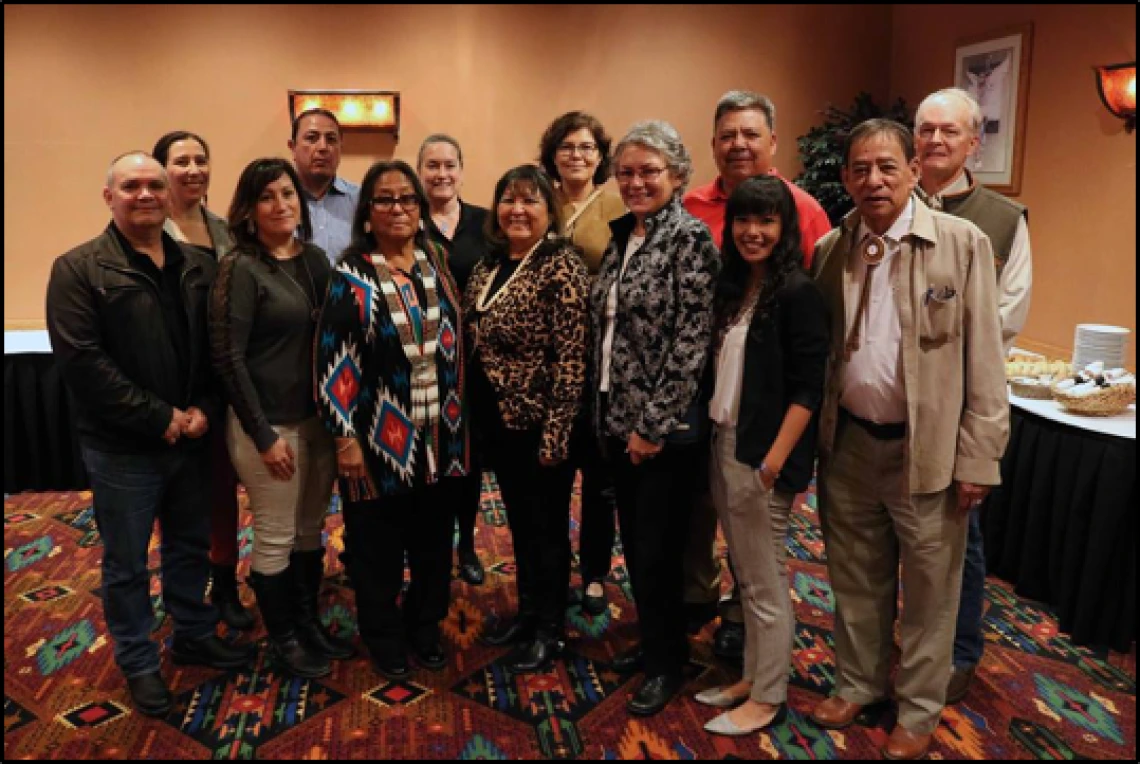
[708, 203]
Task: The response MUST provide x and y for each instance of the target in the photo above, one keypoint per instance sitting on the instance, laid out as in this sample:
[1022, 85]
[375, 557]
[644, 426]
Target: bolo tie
[873, 250]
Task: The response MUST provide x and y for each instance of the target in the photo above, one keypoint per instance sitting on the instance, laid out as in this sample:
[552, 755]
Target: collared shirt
[708, 204]
[1016, 278]
[873, 386]
[331, 216]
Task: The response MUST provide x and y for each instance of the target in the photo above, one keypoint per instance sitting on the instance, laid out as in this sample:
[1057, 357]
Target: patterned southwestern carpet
[1036, 696]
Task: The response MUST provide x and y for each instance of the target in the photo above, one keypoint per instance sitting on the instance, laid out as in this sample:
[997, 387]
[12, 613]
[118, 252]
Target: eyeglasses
[647, 174]
[585, 149]
[385, 203]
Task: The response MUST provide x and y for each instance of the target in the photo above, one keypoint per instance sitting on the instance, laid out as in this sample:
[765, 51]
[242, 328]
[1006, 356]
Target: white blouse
[724, 408]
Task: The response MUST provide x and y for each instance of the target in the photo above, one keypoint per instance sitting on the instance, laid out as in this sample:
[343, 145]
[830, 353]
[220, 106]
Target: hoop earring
[367, 227]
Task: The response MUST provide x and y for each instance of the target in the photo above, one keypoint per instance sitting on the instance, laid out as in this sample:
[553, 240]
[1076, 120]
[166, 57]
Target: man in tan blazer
[912, 429]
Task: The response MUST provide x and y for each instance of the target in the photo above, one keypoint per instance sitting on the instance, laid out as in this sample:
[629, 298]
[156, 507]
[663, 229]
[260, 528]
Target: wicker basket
[1106, 401]
[1030, 389]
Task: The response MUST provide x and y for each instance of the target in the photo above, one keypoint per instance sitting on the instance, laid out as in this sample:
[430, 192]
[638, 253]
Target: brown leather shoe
[960, 679]
[835, 713]
[904, 745]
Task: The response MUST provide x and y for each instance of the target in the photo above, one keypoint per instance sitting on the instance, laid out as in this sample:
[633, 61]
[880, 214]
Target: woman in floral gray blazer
[651, 308]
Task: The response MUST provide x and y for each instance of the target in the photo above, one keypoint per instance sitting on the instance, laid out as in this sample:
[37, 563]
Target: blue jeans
[968, 642]
[130, 492]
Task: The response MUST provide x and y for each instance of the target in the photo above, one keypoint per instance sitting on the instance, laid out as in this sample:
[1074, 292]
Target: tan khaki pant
[755, 523]
[287, 516]
[871, 523]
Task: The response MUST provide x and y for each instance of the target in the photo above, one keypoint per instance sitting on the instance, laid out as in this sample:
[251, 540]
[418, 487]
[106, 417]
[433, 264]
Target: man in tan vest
[947, 124]
[912, 429]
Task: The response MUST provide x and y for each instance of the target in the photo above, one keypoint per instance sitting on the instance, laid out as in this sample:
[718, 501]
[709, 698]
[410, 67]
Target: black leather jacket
[113, 350]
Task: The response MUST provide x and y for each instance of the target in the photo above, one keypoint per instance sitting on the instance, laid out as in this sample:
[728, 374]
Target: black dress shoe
[629, 660]
[391, 663]
[210, 651]
[654, 695]
[521, 629]
[697, 614]
[430, 654]
[470, 568]
[150, 695]
[594, 605]
[536, 655]
[728, 642]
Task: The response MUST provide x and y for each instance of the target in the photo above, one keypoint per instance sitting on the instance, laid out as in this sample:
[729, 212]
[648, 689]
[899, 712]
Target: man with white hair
[947, 126]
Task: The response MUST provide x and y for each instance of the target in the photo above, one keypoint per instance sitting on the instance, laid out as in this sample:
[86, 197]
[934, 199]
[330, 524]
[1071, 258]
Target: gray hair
[135, 152]
[438, 138]
[745, 100]
[658, 135]
[973, 110]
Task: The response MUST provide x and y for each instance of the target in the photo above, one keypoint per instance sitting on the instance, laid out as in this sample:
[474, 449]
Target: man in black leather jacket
[126, 313]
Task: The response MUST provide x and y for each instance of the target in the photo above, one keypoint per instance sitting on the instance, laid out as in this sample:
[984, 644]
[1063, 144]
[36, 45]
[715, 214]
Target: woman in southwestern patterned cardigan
[389, 363]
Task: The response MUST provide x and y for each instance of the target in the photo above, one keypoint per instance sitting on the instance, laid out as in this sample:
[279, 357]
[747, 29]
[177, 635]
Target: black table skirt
[1062, 528]
[41, 451]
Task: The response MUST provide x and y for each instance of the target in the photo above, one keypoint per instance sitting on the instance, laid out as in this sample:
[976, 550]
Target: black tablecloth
[1062, 528]
[41, 452]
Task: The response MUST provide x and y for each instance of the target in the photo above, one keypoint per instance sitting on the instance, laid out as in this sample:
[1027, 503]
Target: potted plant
[821, 151]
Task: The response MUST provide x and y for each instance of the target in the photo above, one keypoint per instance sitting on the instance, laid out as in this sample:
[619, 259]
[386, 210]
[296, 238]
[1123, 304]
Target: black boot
[308, 570]
[275, 598]
[224, 595]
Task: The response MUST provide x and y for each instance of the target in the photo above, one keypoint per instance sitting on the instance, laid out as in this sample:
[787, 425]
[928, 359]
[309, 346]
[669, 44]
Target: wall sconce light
[1117, 87]
[364, 110]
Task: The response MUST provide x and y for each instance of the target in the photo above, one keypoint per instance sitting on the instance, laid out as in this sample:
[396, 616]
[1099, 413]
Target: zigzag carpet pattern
[1036, 695]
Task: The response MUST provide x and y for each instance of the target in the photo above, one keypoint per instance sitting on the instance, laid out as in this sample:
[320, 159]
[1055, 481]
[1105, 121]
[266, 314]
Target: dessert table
[1062, 526]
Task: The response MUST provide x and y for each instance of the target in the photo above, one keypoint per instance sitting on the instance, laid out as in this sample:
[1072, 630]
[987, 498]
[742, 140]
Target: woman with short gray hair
[651, 308]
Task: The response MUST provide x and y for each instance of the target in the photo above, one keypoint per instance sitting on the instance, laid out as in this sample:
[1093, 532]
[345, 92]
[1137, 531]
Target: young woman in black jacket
[770, 344]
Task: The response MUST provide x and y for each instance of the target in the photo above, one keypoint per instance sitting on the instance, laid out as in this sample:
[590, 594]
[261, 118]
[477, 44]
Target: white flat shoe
[718, 698]
[722, 725]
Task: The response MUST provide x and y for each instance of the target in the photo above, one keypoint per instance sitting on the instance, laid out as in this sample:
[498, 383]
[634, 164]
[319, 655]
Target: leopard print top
[531, 341]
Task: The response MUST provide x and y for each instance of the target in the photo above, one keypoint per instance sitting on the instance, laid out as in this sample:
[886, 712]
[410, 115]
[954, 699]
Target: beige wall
[83, 84]
[1079, 177]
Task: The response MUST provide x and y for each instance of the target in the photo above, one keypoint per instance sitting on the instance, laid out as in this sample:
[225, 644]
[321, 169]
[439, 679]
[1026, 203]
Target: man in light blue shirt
[332, 201]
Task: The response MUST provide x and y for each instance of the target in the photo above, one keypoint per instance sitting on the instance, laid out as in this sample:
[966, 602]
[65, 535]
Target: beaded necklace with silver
[421, 355]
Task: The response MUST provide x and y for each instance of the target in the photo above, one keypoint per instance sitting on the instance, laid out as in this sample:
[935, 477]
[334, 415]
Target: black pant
[469, 498]
[379, 533]
[654, 501]
[596, 533]
[537, 501]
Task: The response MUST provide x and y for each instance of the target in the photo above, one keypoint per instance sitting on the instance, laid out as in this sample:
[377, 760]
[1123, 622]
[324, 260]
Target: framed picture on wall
[994, 68]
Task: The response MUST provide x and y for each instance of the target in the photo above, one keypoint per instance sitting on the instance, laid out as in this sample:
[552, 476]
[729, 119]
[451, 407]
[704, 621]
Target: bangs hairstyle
[758, 195]
[254, 178]
[364, 242]
[572, 122]
[527, 177]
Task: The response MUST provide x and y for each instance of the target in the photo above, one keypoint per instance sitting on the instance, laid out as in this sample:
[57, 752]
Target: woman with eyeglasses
[651, 311]
[263, 316]
[458, 226]
[389, 366]
[525, 318]
[575, 152]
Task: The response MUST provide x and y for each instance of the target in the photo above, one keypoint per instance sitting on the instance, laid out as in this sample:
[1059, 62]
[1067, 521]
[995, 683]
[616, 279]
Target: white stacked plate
[1099, 342]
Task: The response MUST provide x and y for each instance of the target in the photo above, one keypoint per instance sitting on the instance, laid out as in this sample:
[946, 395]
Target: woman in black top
[263, 316]
[458, 227]
[186, 157]
[770, 346]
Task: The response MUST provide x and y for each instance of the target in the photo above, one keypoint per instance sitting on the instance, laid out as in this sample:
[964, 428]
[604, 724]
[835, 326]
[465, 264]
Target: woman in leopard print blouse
[526, 326]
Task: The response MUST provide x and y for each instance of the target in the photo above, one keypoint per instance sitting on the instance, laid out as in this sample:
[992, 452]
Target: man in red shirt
[743, 143]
